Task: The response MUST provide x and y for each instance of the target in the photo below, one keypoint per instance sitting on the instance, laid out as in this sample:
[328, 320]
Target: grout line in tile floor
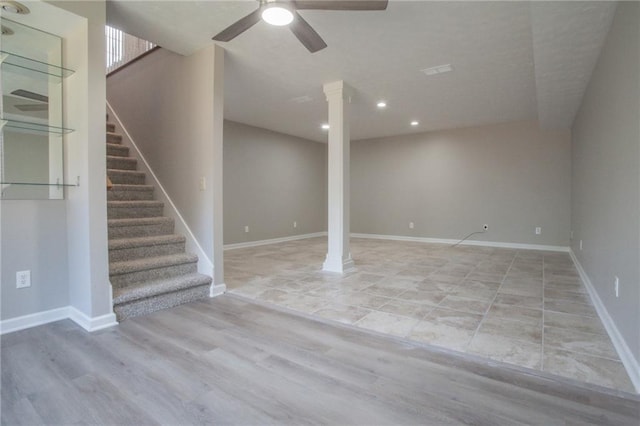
[494, 298]
[283, 274]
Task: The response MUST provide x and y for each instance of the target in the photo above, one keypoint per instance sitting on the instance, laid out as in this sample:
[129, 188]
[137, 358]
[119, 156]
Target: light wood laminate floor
[523, 307]
[228, 361]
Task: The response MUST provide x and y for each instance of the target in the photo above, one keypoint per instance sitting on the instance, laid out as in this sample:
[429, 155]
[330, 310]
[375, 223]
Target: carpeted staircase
[148, 266]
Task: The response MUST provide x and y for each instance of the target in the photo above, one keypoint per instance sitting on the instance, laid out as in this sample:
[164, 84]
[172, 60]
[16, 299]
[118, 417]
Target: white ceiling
[512, 61]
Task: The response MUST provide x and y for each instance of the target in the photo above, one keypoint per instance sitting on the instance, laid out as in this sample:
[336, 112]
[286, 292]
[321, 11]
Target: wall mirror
[31, 144]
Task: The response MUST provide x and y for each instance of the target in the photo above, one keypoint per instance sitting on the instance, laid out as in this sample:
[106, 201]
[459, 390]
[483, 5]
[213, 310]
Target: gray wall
[34, 237]
[64, 242]
[513, 177]
[166, 102]
[606, 175]
[270, 181]
[26, 159]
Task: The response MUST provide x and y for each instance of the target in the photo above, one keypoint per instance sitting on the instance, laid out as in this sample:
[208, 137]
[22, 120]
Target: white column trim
[338, 253]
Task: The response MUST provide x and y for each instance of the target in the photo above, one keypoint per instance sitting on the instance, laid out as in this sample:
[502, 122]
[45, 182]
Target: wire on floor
[465, 238]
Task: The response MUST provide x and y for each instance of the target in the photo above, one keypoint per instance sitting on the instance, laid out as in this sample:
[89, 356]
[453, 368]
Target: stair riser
[132, 253]
[118, 150]
[152, 274]
[123, 163]
[111, 127]
[141, 230]
[117, 195]
[163, 301]
[114, 138]
[128, 179]
[133, 212]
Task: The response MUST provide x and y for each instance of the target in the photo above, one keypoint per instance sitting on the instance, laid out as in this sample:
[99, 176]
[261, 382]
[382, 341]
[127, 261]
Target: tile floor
[521, 307]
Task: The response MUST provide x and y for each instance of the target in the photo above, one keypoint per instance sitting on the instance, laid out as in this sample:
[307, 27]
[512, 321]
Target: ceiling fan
[285, 12]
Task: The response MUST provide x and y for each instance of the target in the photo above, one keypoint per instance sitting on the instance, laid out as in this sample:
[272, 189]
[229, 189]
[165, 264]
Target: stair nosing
[117, 157]
[130, 203]
[132, 187]
[121, 295]
[136, 221]
[150, 263]
[134, 242]
[131, 172]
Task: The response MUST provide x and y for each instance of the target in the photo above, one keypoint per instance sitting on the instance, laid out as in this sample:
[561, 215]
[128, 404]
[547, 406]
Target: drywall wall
[64, 243]
[26, 159]
[34, 237]
[166, 102]
[606, 175]
[513, 177]
[272, 180]
[84, 97]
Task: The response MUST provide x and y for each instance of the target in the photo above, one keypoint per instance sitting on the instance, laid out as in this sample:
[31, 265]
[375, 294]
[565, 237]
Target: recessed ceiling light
[325, 126]
[14, 7]
[414, 123]
[381, 104]
[440, 69]
[6, 31]
[277, 14]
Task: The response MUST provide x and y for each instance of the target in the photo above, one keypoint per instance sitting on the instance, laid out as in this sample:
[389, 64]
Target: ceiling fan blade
[306, 34]
[341, 4]
[234, 30]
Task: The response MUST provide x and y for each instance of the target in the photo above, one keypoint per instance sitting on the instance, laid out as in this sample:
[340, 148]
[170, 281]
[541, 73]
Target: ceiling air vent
[440, 69]
[302, 99]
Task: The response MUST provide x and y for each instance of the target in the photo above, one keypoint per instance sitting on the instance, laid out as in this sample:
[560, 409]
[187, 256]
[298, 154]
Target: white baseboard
[92, 323]
[273, 241]
[624, 352]
[402, 238]
[33, 320]
[217, 290]
[466, 243]
[66, 312]
[205, 265]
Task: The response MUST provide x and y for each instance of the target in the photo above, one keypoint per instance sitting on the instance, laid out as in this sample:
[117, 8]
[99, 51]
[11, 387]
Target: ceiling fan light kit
[278, 14]
[14, 7]
[281, 13]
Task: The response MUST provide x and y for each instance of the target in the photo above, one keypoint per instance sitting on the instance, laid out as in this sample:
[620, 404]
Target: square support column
[338, 252]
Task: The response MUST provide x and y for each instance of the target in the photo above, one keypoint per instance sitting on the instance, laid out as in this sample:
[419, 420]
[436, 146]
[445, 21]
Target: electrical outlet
[203, 183]
[485, 227]
[616, 285]
[580, 244]
[23, 279]
[538, 230]
[571, 236]
[295, 224]
[410, 225]
[246, 228]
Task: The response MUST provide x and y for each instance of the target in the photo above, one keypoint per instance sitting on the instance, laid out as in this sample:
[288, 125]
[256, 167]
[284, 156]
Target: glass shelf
[36, 128]
[16, 63]
[39, 184]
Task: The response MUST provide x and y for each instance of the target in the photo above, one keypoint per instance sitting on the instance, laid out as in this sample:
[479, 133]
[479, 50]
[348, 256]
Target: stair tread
[131, 187]
[133, 221]
[117, 157]
[135, 203]
[114, 134]
[147, 263]
[131, 172]
[157, 287]
[117, 146]
[120, 243]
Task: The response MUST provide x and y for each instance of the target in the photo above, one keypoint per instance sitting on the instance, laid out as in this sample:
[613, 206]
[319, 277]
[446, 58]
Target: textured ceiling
[511, 61]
